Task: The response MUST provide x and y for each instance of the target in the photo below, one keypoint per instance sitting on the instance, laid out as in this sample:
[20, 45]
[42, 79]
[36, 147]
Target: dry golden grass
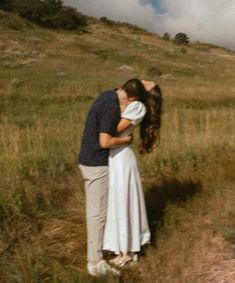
[189, 182]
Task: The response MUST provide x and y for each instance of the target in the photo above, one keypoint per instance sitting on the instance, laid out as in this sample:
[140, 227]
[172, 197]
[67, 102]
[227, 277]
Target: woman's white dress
[126, 226]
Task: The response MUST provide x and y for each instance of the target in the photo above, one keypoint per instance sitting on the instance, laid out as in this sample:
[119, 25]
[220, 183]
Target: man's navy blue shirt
[103, 117]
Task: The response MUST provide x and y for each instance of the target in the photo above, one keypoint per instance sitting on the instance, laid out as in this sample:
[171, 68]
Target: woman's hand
[107, 141]
[123, 125]
[148, 85]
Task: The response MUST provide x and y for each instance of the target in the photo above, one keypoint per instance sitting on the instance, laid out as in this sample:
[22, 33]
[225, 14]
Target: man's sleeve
[108, 119]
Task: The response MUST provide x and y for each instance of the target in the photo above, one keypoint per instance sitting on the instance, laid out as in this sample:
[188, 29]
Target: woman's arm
[108, 141]
[123, 125]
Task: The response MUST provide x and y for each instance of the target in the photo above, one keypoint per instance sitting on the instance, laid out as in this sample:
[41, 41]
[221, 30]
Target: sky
[208, 21]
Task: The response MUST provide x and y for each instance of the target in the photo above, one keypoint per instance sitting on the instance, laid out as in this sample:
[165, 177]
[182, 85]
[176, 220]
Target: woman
[126, 228]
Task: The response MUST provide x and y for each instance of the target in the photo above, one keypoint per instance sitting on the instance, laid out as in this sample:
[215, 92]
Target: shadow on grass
[159, 196]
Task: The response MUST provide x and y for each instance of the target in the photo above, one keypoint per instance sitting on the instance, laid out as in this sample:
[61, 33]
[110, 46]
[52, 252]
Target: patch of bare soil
[216, 264]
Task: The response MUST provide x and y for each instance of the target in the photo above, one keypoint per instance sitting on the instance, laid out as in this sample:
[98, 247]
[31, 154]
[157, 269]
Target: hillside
[48, 80]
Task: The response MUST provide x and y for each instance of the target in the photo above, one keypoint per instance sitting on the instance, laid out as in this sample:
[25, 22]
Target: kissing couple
[115, 207]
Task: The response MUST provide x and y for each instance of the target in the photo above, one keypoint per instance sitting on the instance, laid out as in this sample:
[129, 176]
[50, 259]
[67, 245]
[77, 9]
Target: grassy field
[48, 81]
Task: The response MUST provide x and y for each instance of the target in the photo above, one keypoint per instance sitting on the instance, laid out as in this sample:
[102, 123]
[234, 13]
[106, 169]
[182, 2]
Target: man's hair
[134, 89]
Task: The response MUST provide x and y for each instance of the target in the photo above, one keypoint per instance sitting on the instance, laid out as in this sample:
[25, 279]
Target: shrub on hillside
[49, 13]
[166, 36]
[66, 18]
[181, 38]
[107, 21]
[5, 5]
[52, 6]
[33, 10]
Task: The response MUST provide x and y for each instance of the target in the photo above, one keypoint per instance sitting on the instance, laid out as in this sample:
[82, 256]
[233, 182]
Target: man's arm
[123, 125]
[108, 141]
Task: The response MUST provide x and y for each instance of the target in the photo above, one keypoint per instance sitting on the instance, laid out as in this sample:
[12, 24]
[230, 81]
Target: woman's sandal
[115, 260]
[120, 260]
[124, 259]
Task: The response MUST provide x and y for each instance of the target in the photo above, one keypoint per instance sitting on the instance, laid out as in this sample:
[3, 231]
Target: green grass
[188, 180]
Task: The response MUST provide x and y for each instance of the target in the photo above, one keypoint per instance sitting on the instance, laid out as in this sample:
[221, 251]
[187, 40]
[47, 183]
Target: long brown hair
[151, 124]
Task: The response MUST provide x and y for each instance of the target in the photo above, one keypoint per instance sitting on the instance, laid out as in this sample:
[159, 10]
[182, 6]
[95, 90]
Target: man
[100, 135]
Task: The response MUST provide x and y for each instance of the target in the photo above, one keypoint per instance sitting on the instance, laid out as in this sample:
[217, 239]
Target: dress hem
[145, 241]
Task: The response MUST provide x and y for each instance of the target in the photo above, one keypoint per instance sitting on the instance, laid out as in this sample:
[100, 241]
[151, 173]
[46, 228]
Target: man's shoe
[135, 257]
[101, 268]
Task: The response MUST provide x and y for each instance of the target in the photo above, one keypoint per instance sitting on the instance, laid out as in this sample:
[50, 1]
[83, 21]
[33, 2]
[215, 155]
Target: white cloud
[204, 20]
[210, 21]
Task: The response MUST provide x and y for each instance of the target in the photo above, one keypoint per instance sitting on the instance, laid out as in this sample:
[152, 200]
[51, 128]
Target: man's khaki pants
[96, 190]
